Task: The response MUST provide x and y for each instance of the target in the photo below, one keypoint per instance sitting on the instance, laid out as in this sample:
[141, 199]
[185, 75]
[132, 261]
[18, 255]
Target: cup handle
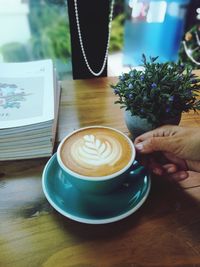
[137, 169]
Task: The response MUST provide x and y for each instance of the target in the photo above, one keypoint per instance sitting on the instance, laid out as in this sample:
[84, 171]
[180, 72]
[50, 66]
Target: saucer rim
[81, 219]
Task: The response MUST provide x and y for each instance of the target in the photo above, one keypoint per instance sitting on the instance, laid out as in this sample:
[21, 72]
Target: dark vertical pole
[94, 18]
[191, 15]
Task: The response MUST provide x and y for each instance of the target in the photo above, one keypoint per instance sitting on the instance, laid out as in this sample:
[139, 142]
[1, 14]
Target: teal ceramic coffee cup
[96, 159]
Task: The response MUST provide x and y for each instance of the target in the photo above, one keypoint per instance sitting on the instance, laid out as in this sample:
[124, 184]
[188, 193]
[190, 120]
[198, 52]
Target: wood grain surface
[165, 231]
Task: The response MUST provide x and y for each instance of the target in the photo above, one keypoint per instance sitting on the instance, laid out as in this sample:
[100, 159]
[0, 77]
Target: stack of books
[29, 103]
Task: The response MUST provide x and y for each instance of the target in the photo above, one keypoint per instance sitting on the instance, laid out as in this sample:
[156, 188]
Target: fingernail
[180, 176]
[157, 171]
[183, 175]
[139, 146]
[171, 170]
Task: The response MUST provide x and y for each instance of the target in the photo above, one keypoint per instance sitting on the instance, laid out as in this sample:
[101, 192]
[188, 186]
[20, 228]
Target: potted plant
[156, 95]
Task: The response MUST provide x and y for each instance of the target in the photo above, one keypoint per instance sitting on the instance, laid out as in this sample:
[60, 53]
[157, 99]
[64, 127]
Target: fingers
[158, 167]
[193, 165]
[149, 162]
[179, 176]
[166, 130]
[155, 167]
[159, 139]
[153, 144]
[174, 173]
[170, 168]
[171, 172]
[162, 140]
[180, 163]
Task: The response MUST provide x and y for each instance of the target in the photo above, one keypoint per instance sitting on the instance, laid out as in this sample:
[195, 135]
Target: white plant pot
[138, 126]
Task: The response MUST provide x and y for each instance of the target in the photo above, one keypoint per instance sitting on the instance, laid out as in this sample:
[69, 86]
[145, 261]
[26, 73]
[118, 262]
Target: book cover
[26, 93]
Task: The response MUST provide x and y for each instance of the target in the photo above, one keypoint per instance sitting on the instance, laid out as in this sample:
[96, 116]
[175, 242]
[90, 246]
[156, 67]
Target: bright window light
[156, 12]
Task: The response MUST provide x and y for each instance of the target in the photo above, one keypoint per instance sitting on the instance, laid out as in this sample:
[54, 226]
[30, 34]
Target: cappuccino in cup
[95, 153]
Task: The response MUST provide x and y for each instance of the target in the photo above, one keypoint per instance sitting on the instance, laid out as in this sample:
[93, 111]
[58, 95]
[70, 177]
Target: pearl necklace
[190, 51]
[81, 40]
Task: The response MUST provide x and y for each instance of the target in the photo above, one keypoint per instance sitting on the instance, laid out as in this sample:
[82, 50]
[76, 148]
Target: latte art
[94, 152]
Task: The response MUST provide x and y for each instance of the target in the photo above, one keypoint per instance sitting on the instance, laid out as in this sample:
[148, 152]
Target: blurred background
[37, 29]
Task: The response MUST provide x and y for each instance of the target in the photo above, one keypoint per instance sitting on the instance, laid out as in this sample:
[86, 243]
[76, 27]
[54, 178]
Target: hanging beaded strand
[81, 40]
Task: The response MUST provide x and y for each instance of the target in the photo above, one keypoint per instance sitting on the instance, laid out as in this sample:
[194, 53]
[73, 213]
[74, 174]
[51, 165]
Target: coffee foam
[96, 152]
[92, 151]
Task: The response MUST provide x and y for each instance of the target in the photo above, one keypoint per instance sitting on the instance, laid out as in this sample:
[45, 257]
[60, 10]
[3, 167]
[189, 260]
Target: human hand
[179, 145]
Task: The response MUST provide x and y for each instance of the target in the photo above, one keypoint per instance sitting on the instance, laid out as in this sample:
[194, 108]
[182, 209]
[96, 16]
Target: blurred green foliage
[50, 30]
[117, 33]
[14, 52]
[50, 33]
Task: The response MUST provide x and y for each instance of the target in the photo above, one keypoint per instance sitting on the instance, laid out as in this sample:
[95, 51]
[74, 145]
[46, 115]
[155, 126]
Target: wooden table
[165, 231]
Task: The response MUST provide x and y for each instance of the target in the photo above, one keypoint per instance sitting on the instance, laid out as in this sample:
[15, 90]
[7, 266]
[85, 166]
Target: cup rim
[96, 178]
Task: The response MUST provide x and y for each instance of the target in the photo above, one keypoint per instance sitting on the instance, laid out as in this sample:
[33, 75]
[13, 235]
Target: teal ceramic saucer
[94, 209]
